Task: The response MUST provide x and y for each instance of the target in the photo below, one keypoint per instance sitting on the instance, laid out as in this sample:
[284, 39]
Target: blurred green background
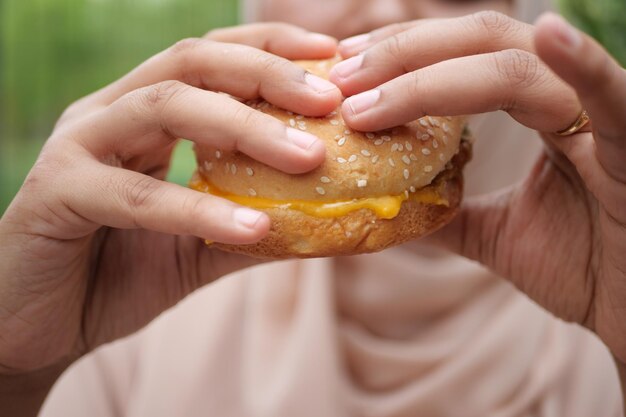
[55, 51]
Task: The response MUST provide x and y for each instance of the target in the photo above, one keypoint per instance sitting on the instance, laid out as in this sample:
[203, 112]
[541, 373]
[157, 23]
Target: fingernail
[246, 217]
[364, 101]
[566, 34]
[348, 67]
[301, 139]
[355, 41]
[319, 84]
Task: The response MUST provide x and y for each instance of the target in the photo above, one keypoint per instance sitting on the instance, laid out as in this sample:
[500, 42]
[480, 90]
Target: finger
[512, 80]
[281, 39]
[153, 117]
[238, 70]
[430, 42]
[597, 78]
[356, 44]
[125, 199]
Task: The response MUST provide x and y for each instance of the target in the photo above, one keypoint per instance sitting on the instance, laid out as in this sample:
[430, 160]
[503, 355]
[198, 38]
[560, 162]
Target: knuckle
[193, 207]
[184, 46]
[394, 47]
[494, 23]
[415, 88]
[270, 64]
[247, 119]
[518, 68]
[139, 193]
[153, 98]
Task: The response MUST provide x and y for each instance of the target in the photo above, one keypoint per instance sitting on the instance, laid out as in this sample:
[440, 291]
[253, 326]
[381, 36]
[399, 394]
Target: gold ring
[579, 123]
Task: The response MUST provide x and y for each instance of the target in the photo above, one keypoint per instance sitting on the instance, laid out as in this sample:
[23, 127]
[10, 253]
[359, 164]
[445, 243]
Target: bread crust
[357, 164]
[294, 234]
[424, 153]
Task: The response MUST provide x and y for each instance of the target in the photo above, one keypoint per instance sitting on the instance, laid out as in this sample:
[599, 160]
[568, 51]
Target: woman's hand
[560, 236]
[96, 244]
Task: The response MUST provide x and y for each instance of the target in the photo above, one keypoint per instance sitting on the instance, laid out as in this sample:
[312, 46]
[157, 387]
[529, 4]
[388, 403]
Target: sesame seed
[370, 135]
[435, 143]
[435, 122]
[218, 154]
[423, 123]
[208, 165]
[442, 157]
[233, 169]
[428, 168]
[299, 117]
[425, 137]
[365, 152]
[375, 159]
[400, 147]
[325, 180]
[408, 146]
[320, 190]
[251, 192]
[338, 137]
[445, 139]
[378, 142]
[341, 160]
[426, 151]
[341, 141]
[446, 128]
[352, 158]
[386, 138]
[334, 122]
[347, 132]
[413, 157]
[431, 132]
[431, 121]
[249, 171]
[361, 183]
[393, 164]
[406, 174]
[292, 123]
[406, 159]
[406, 194]
[333, 113]
[394, 147]
[412, 189]
[301, 123]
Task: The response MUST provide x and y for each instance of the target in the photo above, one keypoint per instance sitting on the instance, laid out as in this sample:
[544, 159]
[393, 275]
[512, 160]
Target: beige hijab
[411, 331]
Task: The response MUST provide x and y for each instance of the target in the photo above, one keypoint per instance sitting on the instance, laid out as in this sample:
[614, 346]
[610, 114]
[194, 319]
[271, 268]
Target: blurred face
[344, 18]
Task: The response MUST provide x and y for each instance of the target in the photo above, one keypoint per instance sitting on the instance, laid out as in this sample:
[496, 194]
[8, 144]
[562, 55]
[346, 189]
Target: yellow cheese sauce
[385, 207]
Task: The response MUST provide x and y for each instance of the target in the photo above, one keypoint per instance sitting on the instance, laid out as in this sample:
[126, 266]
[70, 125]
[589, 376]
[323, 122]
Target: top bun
[357, 165]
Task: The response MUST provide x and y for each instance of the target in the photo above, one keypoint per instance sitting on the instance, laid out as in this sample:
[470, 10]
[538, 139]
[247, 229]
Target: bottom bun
[294, 234]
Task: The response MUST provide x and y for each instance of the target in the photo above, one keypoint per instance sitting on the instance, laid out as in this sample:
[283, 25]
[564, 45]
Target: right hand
[96, 244]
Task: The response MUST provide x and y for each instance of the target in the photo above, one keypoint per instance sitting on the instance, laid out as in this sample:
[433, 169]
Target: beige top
[406, 332]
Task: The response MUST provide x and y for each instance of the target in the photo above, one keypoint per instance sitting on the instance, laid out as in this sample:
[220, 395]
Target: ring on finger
[579, 123]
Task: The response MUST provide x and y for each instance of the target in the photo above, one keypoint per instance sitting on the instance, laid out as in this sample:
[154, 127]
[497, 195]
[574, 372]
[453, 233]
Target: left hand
[560, 235]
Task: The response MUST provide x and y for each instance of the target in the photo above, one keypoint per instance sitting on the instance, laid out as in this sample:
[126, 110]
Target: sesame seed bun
[420, 163]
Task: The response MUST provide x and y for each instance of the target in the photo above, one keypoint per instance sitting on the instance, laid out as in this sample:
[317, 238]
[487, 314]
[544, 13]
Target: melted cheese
[385, 207]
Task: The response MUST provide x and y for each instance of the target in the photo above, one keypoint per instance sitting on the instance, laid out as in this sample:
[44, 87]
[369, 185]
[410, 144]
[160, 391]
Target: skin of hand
[96, 244]
[560, 235]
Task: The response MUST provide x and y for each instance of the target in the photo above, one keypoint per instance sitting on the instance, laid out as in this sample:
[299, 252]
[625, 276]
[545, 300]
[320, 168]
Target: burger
[373, 191]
